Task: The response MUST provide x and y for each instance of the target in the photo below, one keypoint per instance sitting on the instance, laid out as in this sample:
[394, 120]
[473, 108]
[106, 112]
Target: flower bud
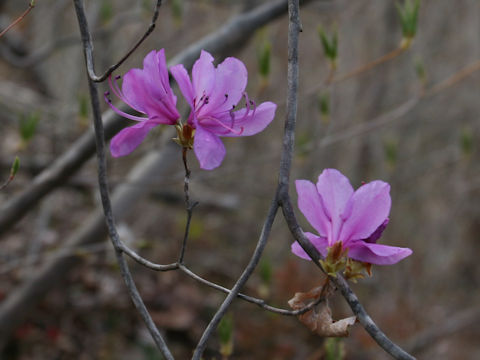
[408, 13]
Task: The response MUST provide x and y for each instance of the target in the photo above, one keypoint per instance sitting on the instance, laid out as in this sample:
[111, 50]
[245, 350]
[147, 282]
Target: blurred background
[412, 120]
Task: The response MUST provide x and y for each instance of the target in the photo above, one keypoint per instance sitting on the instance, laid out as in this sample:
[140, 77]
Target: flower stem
[189, 204]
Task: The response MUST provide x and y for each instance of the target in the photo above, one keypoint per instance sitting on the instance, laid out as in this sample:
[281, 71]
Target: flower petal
[180, 75]
[310, 205]
[148, 90]
[377, 233]
[376, 253]
[319, 242]
[134, 90]
[230, 82]
[203, 75]
[368, 208]
[335, 191]
[129, 138]
[251, 124]
[208, 148]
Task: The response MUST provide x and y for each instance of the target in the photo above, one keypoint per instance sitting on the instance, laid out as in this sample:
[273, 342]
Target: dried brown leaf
[319, 319]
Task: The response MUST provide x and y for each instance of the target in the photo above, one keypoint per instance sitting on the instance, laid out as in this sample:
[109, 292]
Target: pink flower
[355, 218]
[213, 94]
[147, 91]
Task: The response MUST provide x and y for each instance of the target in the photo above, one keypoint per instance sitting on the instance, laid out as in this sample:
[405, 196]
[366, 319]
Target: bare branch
[104, 192]
[284, 171]
[144, 262]
[89, 49]
[262, 241]
[448, 326]
[382, 59]
[47, 50]
[251, 299]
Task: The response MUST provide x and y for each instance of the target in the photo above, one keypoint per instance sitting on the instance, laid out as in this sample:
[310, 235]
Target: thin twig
[20, 18]
[104, 192]
[455, 78]
[382, 59]
[111, 69]
[252, 299]
[144, 262]
[50, 48]
[262, 241]
[449, 325]
[6, 182]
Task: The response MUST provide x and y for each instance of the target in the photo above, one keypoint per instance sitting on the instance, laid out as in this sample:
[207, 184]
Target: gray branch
[102, 179]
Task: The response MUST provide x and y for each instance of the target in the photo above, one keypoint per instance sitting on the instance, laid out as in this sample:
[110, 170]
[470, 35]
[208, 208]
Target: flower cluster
[212, 93]
[348, 222]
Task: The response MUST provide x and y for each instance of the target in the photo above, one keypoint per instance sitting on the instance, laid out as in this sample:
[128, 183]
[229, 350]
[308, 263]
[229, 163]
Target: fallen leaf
[319, 319]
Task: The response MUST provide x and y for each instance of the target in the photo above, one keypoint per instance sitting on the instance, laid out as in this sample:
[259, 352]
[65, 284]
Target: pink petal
[180, 75]
[320, 244]
[335, 191]
[251, 124]
[152, 69]
[208, 148]
[203, 75]
[230, 82]
[134, 90]
[376, 253]
[129, 138]
[310, 205]
[147, 91]
[377, 233]
[368, 208]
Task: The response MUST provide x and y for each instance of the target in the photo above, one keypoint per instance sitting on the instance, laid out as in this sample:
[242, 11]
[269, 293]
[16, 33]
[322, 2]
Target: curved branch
[283, 179]
[339, 281]
[48, 49]
[104, 192]
[88, 46]
[262, 241]
[252, 299]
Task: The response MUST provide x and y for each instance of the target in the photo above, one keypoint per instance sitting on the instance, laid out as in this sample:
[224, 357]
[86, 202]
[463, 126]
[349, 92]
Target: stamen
[225, 99]
[248, 104]
[230, 129]
[116, 90]
[119, 112]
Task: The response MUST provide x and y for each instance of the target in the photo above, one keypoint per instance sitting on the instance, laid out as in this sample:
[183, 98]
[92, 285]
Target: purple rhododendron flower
[212, 94]
[147, 91]
[356, 218]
